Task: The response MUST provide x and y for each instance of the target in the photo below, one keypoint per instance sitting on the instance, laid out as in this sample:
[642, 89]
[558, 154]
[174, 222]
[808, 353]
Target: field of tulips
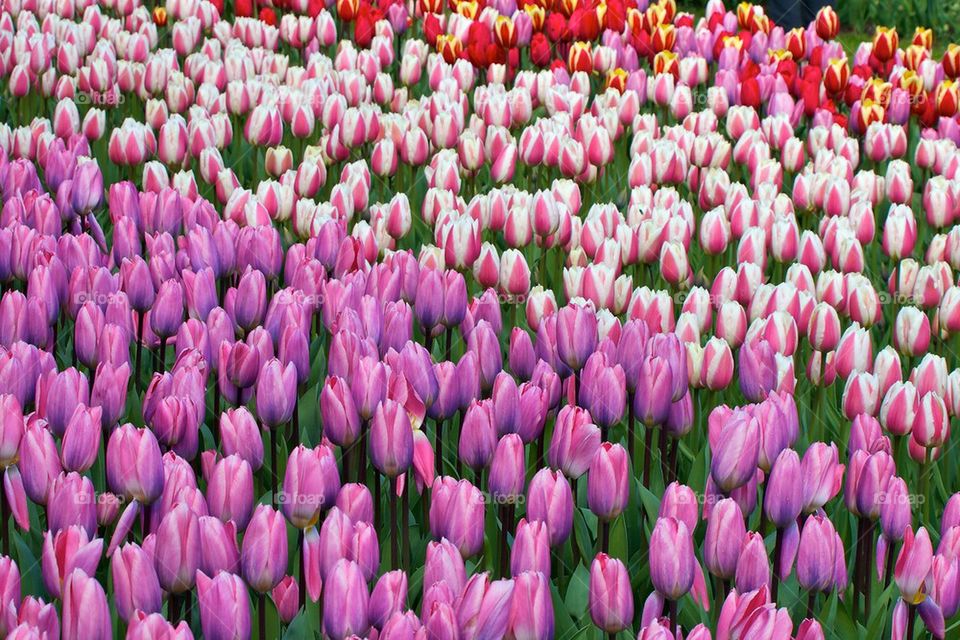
[475, 320]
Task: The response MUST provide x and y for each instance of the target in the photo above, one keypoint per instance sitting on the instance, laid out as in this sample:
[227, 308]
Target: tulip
[135, 582]
[230, 491]
[820, 559]
[603, 391]
[134, 466]
[757, 370]
[456, 513]
[286, 599]
[608, 488]
[611, 598]
[340, 418]
[913, 564]
[218, 546]
[345, 602]
[736, 452]
[71, 502]
[177, 553]
[531, 611]
[391, 439]
[389, 597]
[276, 393]
[65, 551]
[240, 435]
[725, 532]
[478, 436]
[574, 442]
[576, 335]
[671, 558]
[263, 556]
[550, 499]
[224, 606]
[85, 610]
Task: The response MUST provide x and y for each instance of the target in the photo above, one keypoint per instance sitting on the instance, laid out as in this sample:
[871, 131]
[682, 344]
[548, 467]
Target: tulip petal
[788, 550]
[16, 497]
[881, 557]
[700, 595]
[124, 525]
[652, 609]
[311, 560]
[932, 617]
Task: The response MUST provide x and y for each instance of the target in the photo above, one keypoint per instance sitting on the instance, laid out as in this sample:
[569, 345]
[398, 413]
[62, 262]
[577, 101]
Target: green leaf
[578, 592]
[584, 538]
[619, 546]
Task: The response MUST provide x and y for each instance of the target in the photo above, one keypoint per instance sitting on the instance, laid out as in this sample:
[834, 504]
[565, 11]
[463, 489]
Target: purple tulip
[531, 548]
[65, 551]
[177, 554]
[611, 597]
[71, 502]
[276, 393]
[240, 435]
[508, 469]
[672, 563]
[135, 583]
[86, 615]
[608, 482]
[576, 335]
[736, 451]
[263, 556]
[783, 497]
[218, 546]
[389, 596]
[531, 609]
[230, 491]
[224, 606]
[345, 602]
[758, 370]
[310, 485]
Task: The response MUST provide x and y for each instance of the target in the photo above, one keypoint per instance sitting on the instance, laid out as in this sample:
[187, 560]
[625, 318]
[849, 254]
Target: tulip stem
[448, 346]
[302, 578]
[911, 621]
[721, 593]
[377, 501]
[672, 461]
[506, 525]
[891, 560]
[4, 523]
[136, 371]
[262, 615]
[163, 355]
[631, 429]
[394, 541]
[867, 573]
[672, 609]
[647, 448]
[777, 569]
[405, 522]
[173, 607]
[273, 460]
[438, 443]
[811, 602]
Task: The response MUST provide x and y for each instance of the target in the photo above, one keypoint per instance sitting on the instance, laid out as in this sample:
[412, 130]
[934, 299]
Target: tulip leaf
[31, 581]
[578, 591]
[619, 546]
[651, 503]
[134, 413]
[564, 627]
[584, 537]
[300, 627]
